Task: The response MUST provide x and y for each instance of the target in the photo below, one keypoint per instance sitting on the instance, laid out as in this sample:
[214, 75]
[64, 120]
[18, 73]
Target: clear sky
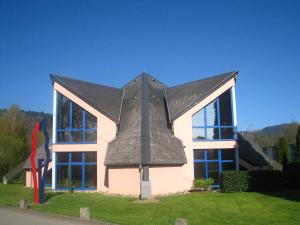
[110, 42]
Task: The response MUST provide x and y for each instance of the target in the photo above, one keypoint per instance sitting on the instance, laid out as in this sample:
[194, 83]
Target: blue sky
[110, 42]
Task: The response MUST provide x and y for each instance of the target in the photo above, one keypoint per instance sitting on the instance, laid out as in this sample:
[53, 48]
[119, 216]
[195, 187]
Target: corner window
[76, 171]
[215, 121]
[74, 124]
[211, 162]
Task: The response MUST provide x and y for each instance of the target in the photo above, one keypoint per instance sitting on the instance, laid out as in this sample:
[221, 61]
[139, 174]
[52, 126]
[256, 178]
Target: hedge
[292, 175]
[234, 181]
[262, 180]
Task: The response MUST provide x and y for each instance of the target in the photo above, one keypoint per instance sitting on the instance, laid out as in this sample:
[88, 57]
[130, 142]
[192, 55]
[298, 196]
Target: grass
[198, 208]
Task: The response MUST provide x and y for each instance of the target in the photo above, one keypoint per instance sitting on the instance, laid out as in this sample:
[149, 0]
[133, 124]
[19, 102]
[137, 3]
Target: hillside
[268, 136]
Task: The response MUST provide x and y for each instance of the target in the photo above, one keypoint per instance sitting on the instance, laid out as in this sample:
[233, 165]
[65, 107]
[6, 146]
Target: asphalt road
[14, 216]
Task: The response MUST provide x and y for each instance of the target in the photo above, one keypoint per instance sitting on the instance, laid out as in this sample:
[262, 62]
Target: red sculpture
[33, 153]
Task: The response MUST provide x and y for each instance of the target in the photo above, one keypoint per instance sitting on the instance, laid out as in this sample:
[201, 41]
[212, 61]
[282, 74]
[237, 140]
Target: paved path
[14, 216]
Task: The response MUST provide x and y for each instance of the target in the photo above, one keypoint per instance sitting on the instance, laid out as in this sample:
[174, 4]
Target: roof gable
[183, 97]
[143, 110]
[144, 137]
[106, 100]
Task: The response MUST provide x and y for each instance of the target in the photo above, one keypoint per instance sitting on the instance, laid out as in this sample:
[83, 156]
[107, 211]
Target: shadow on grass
[50, 195]
[291, 194]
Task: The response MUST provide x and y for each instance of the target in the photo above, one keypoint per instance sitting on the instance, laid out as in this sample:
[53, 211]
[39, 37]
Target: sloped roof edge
[176, 116]
[56, 78]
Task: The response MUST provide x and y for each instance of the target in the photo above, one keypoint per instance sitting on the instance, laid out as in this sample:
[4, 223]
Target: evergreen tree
[284, 156]
[298, 144]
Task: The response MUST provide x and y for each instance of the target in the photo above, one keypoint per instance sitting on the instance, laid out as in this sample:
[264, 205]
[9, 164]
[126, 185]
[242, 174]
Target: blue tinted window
[214, 121]
[76, 170]
[74, 124]
[210, 163]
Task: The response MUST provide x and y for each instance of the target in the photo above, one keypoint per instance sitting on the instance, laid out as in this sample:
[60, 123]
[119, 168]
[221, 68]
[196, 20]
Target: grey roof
[253, 154]
[183, 97]
[144, 136]
[143, 111]
[105, 99]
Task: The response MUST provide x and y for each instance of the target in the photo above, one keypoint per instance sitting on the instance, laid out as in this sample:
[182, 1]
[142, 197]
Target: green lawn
[198, 208]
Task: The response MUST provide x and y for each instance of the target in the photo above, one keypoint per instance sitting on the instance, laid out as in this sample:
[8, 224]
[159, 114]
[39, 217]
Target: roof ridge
[147, 75]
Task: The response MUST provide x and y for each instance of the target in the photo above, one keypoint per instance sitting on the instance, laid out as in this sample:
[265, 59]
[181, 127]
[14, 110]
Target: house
[145, 138]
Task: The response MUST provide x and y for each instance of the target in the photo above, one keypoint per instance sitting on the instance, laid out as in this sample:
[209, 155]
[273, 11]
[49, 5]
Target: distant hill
[268, 136]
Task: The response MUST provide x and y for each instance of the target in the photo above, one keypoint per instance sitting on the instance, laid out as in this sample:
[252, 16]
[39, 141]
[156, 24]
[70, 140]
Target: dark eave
[94, 94]
[184, 87]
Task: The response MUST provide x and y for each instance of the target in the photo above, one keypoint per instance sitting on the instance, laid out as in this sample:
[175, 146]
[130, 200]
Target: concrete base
[23, 204]
[146, 190]
[4, 180]
[181, 222]
[85, 214]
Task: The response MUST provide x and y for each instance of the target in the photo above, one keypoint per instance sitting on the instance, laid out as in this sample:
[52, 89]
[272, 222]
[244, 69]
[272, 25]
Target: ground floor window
[49, 178]
[76, 171]
[210, 163]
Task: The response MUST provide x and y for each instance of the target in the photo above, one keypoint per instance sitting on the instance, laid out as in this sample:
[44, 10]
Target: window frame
[219, 126]
[70, 129]
[83, 163]
[219, 160]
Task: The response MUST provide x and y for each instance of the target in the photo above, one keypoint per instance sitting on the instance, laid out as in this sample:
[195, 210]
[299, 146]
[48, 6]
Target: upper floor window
[74, 124]
[215, 121]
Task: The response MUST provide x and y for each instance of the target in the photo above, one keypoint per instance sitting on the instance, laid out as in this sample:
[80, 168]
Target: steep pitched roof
[142, 109]
[106, 99]
[253, 154]
[183, 97]
[144, 137]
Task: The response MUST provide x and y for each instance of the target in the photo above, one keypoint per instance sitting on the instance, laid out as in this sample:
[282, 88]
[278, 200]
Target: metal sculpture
[39, 190]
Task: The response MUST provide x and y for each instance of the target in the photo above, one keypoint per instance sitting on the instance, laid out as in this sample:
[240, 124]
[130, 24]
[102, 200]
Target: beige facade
[167, 180]
[126, 180]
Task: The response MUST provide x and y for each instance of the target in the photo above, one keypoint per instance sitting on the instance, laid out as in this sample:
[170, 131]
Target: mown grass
[198, 208]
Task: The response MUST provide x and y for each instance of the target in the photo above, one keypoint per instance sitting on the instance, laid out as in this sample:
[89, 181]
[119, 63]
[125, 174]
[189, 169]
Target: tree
[298, 144]
[284, 156]
[13, 143]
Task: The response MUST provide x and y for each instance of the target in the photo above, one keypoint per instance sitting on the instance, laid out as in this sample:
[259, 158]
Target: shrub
[202, 184]
[265, 180]
[260, 180]
[234, 181]
[292, 175]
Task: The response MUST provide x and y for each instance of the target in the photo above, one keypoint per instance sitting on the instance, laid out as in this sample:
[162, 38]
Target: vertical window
[76, 170]
[215, 121]
[210, 163]
[74, 124]
[49, 178]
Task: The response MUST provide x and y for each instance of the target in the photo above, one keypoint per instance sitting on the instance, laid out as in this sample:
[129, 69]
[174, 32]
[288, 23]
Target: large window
[76, 171]
[215, 121]
[49, 178]
[74, 124]
[210, 163]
